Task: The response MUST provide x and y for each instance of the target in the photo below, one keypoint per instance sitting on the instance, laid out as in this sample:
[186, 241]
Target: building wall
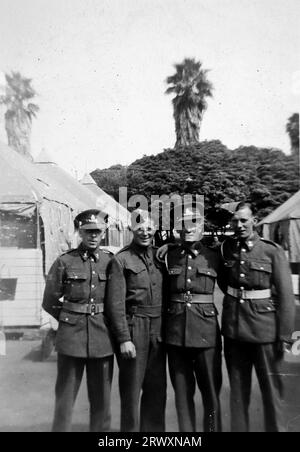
[24, 267]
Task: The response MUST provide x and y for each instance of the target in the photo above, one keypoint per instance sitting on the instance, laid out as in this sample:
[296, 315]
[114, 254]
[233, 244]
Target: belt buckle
[187, 297]
[93, 309]
[242, 294]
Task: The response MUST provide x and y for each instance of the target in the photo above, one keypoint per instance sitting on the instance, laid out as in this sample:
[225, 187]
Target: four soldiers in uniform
[149, 303]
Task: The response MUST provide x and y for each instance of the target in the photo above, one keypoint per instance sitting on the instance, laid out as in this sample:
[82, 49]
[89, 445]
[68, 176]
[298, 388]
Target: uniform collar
[142, 250]
[194, 250]
[249, 243]
[86, 254]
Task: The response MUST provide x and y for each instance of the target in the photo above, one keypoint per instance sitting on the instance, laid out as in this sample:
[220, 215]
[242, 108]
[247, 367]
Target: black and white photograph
[149, 218]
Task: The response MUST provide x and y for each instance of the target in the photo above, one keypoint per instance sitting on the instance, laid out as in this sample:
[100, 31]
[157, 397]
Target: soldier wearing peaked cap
[134, 307]
[192, 331]
[78, 278]
[256, 321]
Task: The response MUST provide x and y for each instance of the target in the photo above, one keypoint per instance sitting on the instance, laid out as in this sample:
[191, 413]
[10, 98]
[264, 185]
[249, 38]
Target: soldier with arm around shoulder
[257, 319]
[74, 295]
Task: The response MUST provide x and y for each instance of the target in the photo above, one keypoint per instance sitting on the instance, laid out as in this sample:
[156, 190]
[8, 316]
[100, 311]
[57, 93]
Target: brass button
[242, 262]
[242, 275]
[242, 301]
[188, 305]
[189, 280]
[243, 249]
[189, 268]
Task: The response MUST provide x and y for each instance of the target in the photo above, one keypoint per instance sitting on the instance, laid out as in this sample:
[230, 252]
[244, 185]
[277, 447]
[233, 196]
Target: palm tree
[191, 88]
[292, 128]
[19, 112]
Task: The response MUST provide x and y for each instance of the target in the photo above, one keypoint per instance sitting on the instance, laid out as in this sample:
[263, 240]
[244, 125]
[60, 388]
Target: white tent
[38, 203]
[283, 226]
[120, 235]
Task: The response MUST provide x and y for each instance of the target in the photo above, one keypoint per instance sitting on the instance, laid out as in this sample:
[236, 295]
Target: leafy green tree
[19, 112]
[110, 179]
[191, 88]
[266, 177]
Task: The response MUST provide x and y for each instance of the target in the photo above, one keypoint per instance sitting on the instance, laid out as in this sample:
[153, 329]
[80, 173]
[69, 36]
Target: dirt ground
[27, 395]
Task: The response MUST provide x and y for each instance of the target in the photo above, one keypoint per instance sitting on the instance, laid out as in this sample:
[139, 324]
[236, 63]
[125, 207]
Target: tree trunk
[187, 125]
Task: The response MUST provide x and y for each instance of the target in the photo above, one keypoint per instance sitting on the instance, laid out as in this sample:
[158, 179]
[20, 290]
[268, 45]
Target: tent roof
[79, 197]
[290, 209]
[44, 157]
[106, 202]
[21, 182]
[24, 182]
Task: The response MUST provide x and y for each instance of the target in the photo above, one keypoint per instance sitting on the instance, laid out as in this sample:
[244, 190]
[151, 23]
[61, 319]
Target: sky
[100, 68]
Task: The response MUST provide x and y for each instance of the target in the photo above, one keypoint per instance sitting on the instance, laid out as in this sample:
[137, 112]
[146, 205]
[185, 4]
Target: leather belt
[145, 310]
[249, 294]
[86, 308]
[192, 298]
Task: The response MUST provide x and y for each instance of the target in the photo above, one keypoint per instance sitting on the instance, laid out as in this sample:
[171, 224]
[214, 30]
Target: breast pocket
[176, 281]
[76, 284]
[102, 277]
[137, 277]
[261, 274]
[205, 279]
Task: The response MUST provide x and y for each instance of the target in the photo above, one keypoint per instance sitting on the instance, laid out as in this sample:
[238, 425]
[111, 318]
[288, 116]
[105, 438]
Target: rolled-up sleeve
[115, 301]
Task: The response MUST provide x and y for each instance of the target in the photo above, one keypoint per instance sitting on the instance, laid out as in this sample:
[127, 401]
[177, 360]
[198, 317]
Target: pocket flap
[174, 270]
[261, 266]
[207, 271]
[263, 307]
[135, 268]
[102, 276]
[68, 317]
[75, 274]
[209, 312]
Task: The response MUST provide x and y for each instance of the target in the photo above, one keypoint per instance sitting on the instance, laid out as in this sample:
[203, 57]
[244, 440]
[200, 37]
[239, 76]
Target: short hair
[244, 204]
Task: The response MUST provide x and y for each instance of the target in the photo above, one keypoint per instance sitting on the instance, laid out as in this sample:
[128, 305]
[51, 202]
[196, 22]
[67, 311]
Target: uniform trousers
[240, 358]
[142, 381]
[99, 373]
[187, 364]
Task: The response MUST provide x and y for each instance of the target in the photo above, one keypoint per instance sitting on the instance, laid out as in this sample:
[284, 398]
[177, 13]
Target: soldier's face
[191, 232]
[143, 234]
[91, 238]
[243, 223]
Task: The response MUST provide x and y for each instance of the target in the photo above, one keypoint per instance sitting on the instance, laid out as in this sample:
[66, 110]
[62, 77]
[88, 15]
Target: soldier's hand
[161, 252]
[283, 347]
[127, 350]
